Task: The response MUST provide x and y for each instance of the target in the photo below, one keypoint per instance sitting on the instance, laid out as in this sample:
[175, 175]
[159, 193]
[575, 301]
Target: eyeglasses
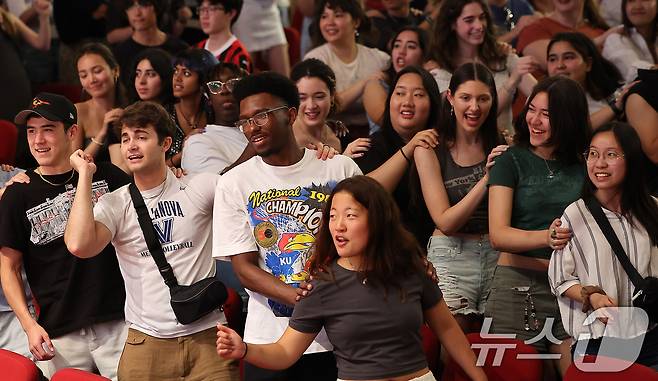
[594, 155]
[509, 18]
[259, 119]
[210, 9]
[216, 87]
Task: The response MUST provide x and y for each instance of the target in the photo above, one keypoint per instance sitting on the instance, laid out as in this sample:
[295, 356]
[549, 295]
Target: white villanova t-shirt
[276, 211]
[181, 210]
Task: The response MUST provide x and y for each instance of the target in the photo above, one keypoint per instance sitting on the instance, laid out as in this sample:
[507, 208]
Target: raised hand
[82, 162]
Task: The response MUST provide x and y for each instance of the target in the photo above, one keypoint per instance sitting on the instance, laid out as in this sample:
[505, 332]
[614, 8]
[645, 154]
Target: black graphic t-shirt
[71, 292]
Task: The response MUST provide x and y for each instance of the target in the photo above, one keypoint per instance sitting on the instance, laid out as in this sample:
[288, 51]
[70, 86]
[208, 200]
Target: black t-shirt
[388, 25]
[126, 51]
[72, 292]
[74, 21]
[408, 194]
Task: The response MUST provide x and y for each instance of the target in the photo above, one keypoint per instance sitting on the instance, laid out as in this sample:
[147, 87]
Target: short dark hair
[353, 7]
[158, 5]
[161, 62]
[314, 68]
[392, 253]
[144, 114]
[268, 82]
[199, 61]
[568, 115]
[603, 78]
[229, 5]
[218, 69]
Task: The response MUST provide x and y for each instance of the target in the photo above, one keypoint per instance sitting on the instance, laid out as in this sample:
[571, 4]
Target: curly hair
[445, 42]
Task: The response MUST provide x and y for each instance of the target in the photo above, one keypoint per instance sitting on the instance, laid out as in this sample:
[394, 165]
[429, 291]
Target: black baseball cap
[50, 106]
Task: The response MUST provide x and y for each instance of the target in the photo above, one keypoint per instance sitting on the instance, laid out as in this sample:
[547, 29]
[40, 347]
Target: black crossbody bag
[646, 289]
[190, 303]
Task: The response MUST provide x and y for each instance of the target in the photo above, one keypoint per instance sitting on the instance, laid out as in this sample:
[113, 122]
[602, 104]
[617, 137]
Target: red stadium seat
[16, 367]
[632, 372]
[294, 48]
[70, 374]
[431, 347]
[510, 368]
[72, 92]
[8, 139]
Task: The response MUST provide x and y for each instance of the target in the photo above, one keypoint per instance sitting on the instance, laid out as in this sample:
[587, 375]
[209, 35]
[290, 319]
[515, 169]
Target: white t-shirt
[368, 61]
[214, 150]
[181, 210]
[628, 52]
[276, 211]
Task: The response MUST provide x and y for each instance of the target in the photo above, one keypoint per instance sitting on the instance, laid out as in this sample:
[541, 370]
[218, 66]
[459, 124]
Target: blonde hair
[8, 24]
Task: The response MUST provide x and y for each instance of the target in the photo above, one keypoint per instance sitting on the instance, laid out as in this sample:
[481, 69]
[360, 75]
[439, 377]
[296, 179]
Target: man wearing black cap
[81, 322]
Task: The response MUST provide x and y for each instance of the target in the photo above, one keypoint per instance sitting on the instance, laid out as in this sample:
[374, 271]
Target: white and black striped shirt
[589, 260]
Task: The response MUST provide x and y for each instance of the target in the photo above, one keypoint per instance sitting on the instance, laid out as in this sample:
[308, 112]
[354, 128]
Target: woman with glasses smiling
[586, 275]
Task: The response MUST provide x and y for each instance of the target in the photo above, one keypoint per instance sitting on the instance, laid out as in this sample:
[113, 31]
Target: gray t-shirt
[374, 334]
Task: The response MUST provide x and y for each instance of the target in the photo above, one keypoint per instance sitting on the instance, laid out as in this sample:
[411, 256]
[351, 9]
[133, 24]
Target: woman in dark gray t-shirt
[371, 297]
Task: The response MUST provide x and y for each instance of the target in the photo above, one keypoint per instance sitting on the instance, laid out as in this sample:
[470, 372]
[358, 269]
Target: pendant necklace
[190, 123]
[551, 174]
[38, 171]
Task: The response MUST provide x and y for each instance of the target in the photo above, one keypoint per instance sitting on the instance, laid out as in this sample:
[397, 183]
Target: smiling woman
[585, 277]
[529, 187]
[98, 71]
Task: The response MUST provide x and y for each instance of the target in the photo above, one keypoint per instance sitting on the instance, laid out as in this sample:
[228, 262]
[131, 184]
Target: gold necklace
[38, 171]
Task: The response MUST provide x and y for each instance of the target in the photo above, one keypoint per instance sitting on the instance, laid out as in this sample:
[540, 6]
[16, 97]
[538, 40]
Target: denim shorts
[520, 302]
[465, 268]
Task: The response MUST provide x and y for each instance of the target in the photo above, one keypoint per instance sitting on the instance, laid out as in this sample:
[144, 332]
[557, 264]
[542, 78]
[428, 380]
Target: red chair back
[294, 45]
[72, 92]
[16, 367]
[631, 372]
[233, 309]
[501, 362]
[431, 347]
[8, 140]
[70, 374]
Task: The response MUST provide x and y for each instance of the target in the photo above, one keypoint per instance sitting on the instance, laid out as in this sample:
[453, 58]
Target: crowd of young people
[272, 199]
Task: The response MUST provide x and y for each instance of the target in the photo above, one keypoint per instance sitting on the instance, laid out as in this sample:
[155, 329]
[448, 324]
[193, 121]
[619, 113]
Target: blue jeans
[465, 268]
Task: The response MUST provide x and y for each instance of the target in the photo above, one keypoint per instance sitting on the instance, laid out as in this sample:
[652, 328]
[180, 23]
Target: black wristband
[405, 156]
[612, 102]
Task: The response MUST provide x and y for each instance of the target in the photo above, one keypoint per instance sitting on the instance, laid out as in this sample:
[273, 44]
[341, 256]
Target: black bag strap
[595, 208]
[152, 242]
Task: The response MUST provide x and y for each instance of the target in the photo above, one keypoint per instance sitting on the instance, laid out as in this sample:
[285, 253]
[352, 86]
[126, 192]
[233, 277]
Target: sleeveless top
[458, 181]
